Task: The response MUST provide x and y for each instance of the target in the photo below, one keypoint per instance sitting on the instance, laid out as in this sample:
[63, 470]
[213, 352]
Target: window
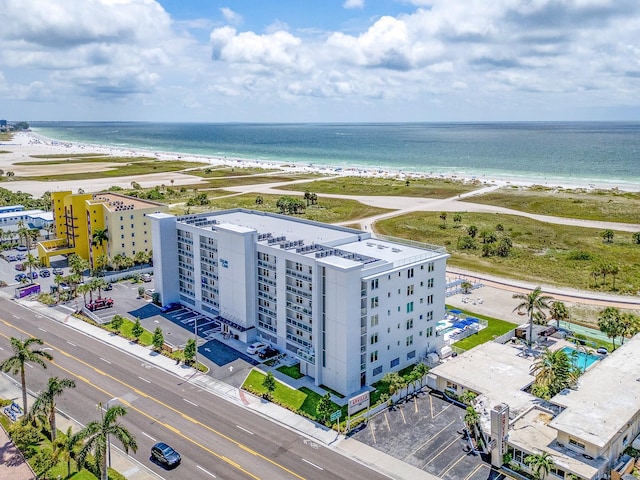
[576, 443]
[132, 216]
[430, 332]
[429, 316]
[410, 324]
[410, 290]
[395, 362]
[374, 320]
[409, 307]
[374, 284]
[122, 236]
[411, 354]
[121, 227]
[133, 234]
[409, 340]
[374, 302]
[430, 283]
[430, 267]
[377, 370]
[410, 273]
[430, 300]
[374, 356]
[374, 338]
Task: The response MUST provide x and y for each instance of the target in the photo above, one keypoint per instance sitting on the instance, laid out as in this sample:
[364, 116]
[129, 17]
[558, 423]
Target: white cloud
[349, 4]
[230, 16]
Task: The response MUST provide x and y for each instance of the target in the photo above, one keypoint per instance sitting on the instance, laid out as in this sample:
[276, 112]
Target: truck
[99, 303]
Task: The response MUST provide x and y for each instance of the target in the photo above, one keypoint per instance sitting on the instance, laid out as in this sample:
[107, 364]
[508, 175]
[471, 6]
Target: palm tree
[64, 448]
[553, 372]
[58, 279]
[96, 435]
[23, 354]
[45, 403]
[99, 237]
[534, 304]
[610, 323]
[31, 262]
[559, 312]
[540, 464]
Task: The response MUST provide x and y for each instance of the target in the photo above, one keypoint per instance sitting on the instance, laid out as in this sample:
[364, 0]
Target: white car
[255, 347]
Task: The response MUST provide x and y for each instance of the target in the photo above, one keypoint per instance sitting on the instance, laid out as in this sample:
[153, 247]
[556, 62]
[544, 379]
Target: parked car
[165, 455]
[99, 303]
[255, 347]
[44, 273]
[21, 248]
[21, 256]
[108, 287]
[20, 277]
[268, 352]
[170, 307]
[20, 267]
[34, 275]
[146, 277]
[58, 271]
[11, 258]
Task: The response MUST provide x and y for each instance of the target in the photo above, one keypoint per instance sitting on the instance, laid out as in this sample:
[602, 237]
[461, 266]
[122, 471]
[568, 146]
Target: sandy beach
[25, 145]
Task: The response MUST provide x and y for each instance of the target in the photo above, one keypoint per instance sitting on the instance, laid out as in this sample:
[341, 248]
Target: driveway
[427, 432]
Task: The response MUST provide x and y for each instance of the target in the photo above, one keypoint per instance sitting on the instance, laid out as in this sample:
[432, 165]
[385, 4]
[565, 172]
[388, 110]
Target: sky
[319, 60]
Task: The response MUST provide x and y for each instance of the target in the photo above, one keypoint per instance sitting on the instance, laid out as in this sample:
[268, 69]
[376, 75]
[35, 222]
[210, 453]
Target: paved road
[214, 436]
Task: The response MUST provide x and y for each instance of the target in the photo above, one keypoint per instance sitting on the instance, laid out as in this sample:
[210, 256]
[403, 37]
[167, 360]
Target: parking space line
[473, 472]
[404, 419]
[441, 451]
[373, 433]
[462, 457]
[432, 437]
[441, 411]
[386, 419]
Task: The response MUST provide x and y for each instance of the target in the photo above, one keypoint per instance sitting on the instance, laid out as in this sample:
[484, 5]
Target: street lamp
[108, 439]
[195, 332]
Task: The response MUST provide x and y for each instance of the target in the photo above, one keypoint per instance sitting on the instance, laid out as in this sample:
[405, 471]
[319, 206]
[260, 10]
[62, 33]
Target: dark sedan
[165, 455]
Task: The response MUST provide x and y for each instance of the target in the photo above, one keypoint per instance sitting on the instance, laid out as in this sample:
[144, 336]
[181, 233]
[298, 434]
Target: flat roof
[497, 372]
[115, 200]
[341, 246]
[531, 432]
[607, 397]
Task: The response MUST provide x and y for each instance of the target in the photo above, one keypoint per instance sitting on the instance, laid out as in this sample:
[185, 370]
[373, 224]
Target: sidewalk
[131, 469]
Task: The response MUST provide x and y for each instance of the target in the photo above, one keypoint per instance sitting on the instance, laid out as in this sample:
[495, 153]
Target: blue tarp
[456, 311]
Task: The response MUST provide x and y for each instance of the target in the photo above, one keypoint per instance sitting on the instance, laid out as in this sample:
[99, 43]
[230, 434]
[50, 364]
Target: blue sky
[319, 60]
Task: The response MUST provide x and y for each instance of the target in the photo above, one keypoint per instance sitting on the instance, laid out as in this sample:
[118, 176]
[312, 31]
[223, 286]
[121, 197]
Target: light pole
[195, 332]
[108, 439]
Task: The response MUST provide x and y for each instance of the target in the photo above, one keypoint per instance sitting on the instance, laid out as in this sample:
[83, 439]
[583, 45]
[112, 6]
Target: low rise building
[350, 307]
[121, 219]
[585, 429]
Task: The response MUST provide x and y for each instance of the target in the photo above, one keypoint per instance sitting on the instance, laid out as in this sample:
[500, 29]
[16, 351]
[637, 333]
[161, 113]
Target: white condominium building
[349, 306]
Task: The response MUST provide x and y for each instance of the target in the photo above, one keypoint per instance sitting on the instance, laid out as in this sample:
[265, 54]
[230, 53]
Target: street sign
[336, 415]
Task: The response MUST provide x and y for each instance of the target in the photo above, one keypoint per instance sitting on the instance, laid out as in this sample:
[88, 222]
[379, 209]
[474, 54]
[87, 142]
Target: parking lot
[427, 432]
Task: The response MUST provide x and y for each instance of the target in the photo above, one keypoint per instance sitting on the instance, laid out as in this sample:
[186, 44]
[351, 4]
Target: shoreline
[32, 143]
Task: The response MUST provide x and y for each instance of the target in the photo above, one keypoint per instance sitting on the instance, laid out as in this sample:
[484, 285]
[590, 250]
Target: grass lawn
[303, 400]
[53, 159]
[613, 206]
[292, 371]
[125, 331]
[223, 171]
[257, 180]
[495, 328]
[424, 187]
[552, 254]
[328, 210]
[131, 167]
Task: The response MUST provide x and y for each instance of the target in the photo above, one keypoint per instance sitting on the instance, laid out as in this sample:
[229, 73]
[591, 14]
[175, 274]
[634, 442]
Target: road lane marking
[105, 360]
[206, 471]
[42, 329]
[244, 429]
[189, 401]
[144, 379]
[15, 316]
[72, 344]
[312, 464]
[148, 436]
[168, 407]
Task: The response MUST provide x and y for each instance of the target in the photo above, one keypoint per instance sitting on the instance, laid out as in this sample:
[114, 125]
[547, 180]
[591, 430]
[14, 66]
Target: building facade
[351, 308]
[77, 217]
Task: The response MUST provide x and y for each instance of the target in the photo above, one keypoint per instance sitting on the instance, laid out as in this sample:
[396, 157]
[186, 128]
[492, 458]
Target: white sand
[26, 144]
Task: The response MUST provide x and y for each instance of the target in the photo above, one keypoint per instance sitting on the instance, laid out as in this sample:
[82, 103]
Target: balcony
[300, 275]
[298, 291]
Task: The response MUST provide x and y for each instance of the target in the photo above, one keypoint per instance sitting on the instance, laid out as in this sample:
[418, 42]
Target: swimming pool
[580, 359]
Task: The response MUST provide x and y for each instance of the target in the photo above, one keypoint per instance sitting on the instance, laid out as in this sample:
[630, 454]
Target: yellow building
[78, 217]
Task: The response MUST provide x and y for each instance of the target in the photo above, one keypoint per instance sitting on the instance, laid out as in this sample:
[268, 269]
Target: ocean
[541, 152]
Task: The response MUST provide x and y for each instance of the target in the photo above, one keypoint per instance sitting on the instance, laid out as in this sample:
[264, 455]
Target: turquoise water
[581, 360]
[574, 152]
